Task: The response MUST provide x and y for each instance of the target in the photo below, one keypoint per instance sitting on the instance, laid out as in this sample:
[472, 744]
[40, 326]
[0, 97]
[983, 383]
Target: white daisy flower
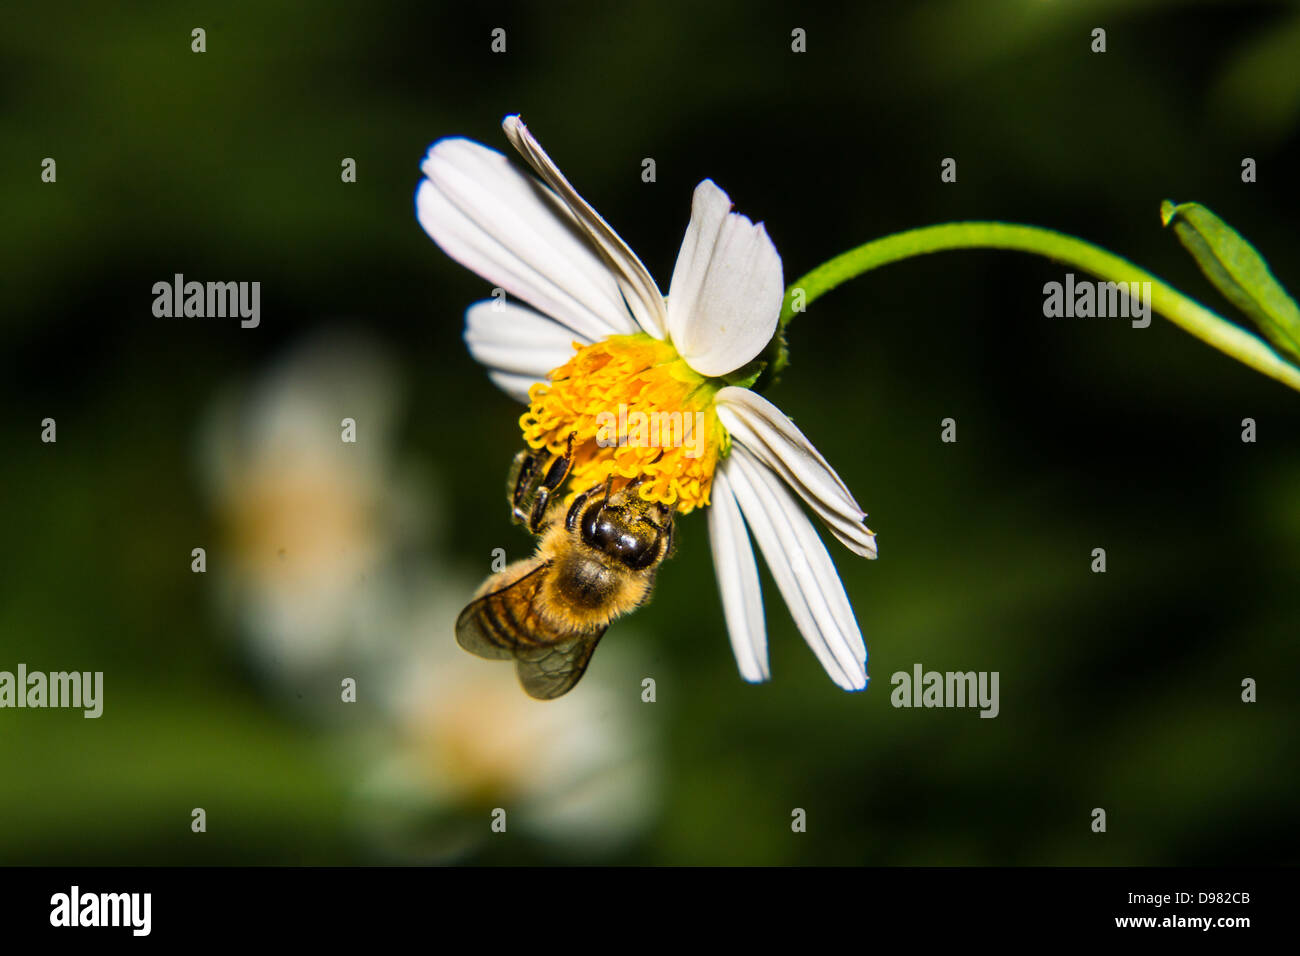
[600, 336]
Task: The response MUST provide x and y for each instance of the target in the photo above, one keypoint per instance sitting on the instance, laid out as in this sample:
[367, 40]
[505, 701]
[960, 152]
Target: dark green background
[1119, 691]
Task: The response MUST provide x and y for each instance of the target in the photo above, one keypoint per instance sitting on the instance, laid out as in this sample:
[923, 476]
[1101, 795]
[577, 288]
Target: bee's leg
[537, 516]
[521, 482]
[556, 474]
[670, 530]
[560, 467]
[517, 480]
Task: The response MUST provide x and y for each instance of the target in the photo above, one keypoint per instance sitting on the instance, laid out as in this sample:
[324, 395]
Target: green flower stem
[1169, 302]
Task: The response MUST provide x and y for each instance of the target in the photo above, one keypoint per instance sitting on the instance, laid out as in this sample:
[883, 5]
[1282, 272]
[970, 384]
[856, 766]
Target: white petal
[742, 596]
[516, 386]
[765, 430]
[639, 288]
[514, 232]
[725, 297]
[710, 207]
[802, 569]
[516, 340]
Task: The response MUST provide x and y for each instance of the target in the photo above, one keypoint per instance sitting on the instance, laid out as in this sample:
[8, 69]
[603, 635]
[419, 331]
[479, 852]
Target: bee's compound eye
[592, 524]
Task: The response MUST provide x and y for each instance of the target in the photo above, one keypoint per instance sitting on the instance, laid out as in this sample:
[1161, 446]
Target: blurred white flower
[307, 522]
[579, 773]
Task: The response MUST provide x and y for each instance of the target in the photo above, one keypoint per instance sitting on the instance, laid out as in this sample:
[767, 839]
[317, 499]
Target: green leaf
[746, 375]
[1237, 271]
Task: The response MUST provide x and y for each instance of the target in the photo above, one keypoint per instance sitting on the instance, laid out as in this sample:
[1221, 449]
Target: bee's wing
[503, 624]
[547, 672]
[500, 622]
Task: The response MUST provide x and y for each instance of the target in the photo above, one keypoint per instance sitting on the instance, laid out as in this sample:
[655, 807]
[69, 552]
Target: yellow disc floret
[634, 408]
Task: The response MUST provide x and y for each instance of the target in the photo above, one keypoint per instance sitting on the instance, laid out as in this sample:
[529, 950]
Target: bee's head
[633, 531]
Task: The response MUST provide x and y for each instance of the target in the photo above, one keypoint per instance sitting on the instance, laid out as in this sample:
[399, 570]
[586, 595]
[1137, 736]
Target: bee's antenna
[609, 484]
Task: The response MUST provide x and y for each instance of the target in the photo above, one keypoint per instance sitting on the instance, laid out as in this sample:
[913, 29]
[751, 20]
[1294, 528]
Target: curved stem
[1166, 300]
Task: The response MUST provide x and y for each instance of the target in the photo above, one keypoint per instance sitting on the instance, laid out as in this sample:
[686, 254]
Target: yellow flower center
[634, 408]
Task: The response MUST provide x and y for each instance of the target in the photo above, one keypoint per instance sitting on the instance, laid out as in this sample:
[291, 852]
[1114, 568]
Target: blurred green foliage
[1119, 690]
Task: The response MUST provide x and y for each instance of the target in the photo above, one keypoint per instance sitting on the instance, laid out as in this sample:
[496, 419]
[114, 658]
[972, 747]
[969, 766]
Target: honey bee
[592, 565]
